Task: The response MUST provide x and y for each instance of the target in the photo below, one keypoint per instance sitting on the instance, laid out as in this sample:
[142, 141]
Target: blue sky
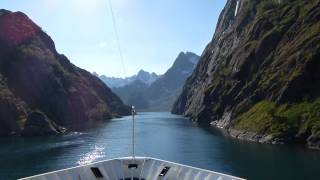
[152, 32]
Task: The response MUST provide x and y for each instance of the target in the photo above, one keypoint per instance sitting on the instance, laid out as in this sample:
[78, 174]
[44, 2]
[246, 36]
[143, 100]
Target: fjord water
[160, 135]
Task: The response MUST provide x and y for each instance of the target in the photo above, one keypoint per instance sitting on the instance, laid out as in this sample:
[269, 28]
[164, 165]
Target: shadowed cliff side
[258, 77]
[39, 85]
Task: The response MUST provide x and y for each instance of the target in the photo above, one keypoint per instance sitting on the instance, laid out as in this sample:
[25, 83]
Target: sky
[151, 32]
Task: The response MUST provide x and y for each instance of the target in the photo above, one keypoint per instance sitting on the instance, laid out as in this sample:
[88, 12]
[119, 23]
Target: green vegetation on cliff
[260, 72]
[282, 120]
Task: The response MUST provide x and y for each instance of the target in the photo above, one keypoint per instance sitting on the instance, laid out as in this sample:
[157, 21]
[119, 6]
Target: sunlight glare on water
[96, 153]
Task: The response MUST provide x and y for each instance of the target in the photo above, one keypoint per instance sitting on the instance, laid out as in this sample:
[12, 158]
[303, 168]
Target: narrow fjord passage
[160, 135]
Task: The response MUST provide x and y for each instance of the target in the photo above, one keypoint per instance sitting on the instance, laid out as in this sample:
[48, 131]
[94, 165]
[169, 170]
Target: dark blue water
[160, 135]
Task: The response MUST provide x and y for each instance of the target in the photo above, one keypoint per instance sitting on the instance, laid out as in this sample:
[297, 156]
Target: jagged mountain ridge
[258, 77]
[160, 95]
[40, 90]
[143, 76]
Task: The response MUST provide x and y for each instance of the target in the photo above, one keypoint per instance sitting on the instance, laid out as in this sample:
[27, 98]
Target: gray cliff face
[263, 58]
[162, 93]
[191, 101]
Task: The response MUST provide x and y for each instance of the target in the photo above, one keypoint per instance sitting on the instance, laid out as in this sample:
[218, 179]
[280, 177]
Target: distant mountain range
[142, 76]
[150, 92]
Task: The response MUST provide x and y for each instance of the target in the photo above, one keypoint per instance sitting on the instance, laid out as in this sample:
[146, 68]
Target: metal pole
[133, 113]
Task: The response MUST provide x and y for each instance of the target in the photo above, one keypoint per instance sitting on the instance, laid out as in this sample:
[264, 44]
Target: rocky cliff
[163, 92]
[40, 90]
[259, 77]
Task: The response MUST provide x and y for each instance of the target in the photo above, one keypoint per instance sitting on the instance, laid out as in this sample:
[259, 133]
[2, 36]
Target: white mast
[133, 111]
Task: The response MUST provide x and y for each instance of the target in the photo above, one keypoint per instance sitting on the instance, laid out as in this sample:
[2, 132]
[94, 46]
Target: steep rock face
[163, 92]
[33, 76]
[258, 77]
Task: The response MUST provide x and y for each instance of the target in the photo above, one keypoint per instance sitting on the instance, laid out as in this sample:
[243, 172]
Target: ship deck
[127, 168]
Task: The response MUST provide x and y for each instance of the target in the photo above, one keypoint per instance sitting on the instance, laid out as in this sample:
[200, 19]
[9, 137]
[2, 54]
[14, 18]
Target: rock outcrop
[38, 124]
[258, 77]
[35, 77]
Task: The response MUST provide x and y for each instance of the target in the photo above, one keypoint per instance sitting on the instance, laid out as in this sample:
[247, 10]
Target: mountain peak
[16, 27]
[142, 72]
[160, 94]
[146, 77]
[142, 75]
[186, 59]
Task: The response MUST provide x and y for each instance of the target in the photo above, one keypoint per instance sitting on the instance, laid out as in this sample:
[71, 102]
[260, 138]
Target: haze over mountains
[143, 76]
[151, 92]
